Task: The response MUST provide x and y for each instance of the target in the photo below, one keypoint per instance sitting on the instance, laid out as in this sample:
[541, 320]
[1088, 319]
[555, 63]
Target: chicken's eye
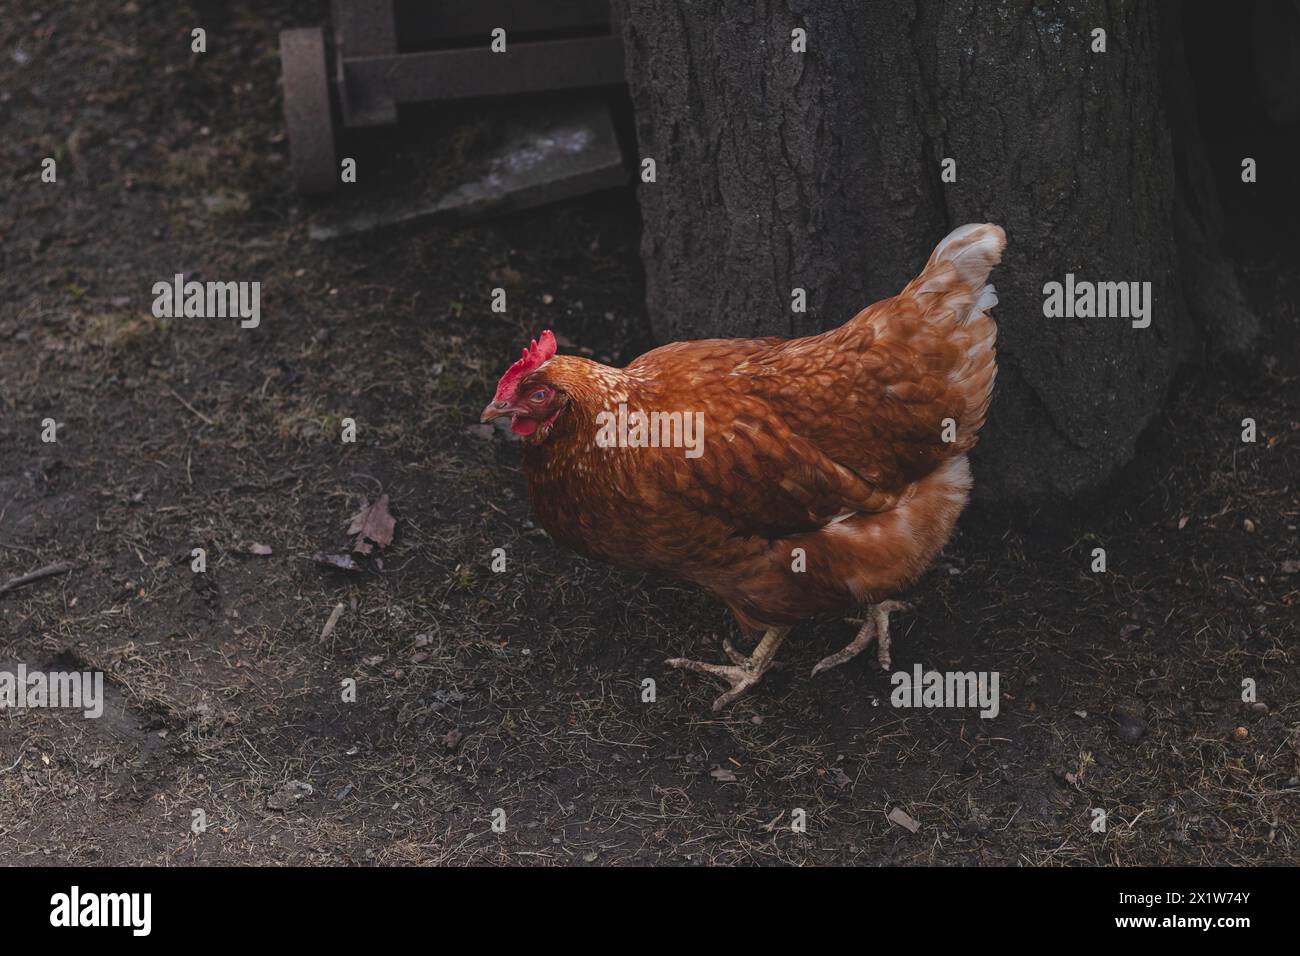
[539, 395]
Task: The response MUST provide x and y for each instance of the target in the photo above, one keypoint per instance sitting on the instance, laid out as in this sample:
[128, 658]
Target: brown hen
[783, 476]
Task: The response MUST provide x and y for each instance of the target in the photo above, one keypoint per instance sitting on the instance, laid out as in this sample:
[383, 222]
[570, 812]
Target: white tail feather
[988, 298]
[973, 249]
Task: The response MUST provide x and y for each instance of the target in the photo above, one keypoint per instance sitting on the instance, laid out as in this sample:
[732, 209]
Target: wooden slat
[307, 110]
[424, 23]
[363, 28]
[461, 74]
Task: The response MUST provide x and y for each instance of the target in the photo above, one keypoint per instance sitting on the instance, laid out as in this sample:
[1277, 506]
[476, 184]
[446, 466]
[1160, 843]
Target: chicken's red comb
[542, 350]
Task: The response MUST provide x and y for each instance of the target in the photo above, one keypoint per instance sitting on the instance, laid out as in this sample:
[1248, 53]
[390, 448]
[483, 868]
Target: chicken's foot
[743, 672]
[875, 626]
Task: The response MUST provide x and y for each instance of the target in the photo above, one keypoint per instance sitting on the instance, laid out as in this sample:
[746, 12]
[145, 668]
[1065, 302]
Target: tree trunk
[778, 170]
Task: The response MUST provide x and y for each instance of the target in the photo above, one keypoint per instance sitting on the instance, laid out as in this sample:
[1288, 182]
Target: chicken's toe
[743, 673]
[729, 671]
[875, 625]
[880, 613]
[850, 650]
[740, 678]
[736, 657]
[738, 689]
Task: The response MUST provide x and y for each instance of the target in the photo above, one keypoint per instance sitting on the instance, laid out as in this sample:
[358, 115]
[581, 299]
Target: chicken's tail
[954, 295]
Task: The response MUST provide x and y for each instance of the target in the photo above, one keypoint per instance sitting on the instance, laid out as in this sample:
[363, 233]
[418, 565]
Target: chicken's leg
[876, 625]
[743, 672]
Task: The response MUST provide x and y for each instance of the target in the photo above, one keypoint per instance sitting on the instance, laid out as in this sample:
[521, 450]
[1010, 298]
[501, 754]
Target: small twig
[328, 629]
[176, 395]
[61, 567]
[18, 547]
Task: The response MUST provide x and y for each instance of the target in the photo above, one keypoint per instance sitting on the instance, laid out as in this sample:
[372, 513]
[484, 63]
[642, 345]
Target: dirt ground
[522, 690]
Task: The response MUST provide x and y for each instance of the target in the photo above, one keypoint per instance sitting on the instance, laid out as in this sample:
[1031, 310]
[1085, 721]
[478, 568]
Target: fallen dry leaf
[722, 775]
[902, 818]
[373, 527]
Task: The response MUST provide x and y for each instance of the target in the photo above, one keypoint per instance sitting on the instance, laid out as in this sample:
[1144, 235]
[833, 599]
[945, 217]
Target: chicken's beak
[496, 410]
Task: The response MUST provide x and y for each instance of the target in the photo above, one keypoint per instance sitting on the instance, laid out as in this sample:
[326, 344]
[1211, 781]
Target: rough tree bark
[821, 171]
